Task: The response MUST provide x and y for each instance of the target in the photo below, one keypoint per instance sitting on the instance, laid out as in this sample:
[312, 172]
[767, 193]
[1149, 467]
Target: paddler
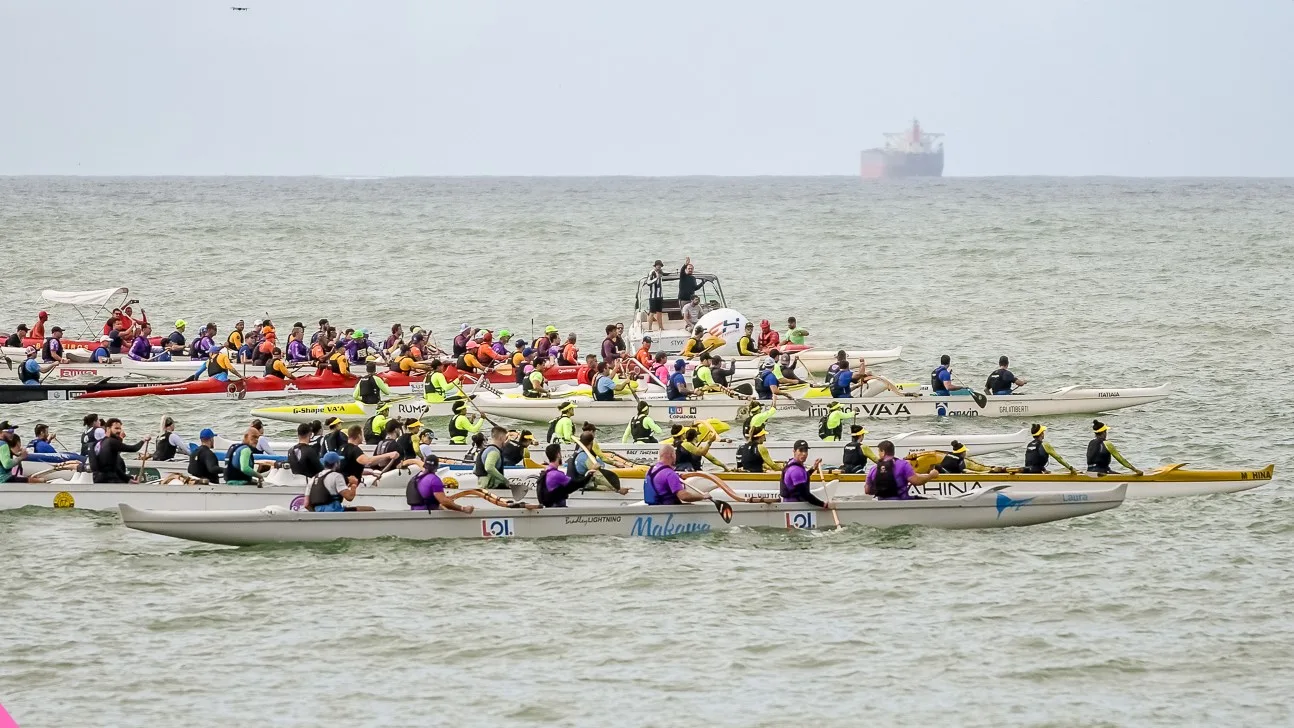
[794, 334]
[588, 469]
[359, 346]
[641, 427]
[854, 460]
[332, 489]
[662, 485]
[463, 425]
[485, 353]
[140, 348]
[203, 463]
[404, 444]
[753, 457]
[691, 449]
[795, 486]
[1100, 450]
[394, 340]
[570, 353]
[721, 373]
[831, 427]
[52, 348]
[1002, 381]
[459, 346]
[562, 429]
[677, 388]
[375, 427]
[942, 377]
[784, 370]
[1038, 453]
[489, 461]
[303, 458]
[297, 351]
[176, 337]
[516, 448]
[759, 415]
[169, 444]
[240, 464]
[893, 478]
[15, 339]
[439, 389]
[584, 374]
[404, 362]
[768, 338]
[534, 385]
[31, 371]
[337, 362]
[555, 485]
[605, 387]
[703, 376]
[108, 465]
[695, 344]
[321, 334]
[426, 492]
[468, 361]
[767, 385]
[335, 440]
[205, 344]
[544, 344]
[355, 460]
[370, 389]
[521, 358]
[746, 344]
[234, 341]
[659, 368]
[501, 345]
[955, 462]
[219, 367]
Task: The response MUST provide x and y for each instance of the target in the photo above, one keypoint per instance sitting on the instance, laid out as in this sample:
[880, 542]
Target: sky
[707, 87]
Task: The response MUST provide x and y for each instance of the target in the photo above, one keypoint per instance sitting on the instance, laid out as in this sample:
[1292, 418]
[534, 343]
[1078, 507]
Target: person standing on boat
[662, 485]
[656, 297]
[1100, 450]
[687, 285]
[52, 349]
[109, 467]
[1038, 453]
[892, 478]
[203, 463]
[1002, 381]
[642, 428]
[856, 454]
[753, 456]
[370, 389]
[31, 371]
[677, 387]
[795, 477]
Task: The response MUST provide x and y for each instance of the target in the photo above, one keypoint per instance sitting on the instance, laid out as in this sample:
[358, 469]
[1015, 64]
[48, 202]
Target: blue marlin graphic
[1005, 501]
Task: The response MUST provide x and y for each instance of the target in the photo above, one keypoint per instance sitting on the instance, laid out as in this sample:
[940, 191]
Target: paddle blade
[725, 511]
[980, 399]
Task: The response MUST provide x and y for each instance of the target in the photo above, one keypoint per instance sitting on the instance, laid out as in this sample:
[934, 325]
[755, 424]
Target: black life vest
[334, 441]
[937, 384]
[745, 427]
[196, 467]
[1035, 457]
[951, 463]
[519, 371]
[992, 384]
[455, 431]
[598, 396]
[824, 432]
[45, 354]
[884, 485]
[28, 376]
[384, 446]
[319, 495]
[1098, 457]
[479, 467]
[639, 431]
[371, 437]
[552, 427]
[87, 442]
[414, 498]
[853, 461]
[334, 362]
[232, 472]
[696, 378]
[368, 391]
[746, 346]
[298, 463]
[528, 387]
[541, 489]
[720, 376]
[270, 371]
[686, 460]
[762, 390]
[512, 453]
[163, 450]
[748, 458]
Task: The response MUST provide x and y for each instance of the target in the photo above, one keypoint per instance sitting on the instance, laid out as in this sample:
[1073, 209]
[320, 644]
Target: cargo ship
[911, 153]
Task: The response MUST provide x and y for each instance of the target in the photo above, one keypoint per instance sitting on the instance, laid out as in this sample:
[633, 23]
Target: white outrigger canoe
[1064, 401]
[355, 412]
[619, 412]
[281, 525]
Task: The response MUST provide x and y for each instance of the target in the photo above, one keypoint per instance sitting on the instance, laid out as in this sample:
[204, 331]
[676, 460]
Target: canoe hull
[611, 414]
[244, 527]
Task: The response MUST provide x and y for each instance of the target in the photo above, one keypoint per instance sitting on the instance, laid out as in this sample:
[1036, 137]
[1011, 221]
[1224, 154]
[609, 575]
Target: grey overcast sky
[725, 87]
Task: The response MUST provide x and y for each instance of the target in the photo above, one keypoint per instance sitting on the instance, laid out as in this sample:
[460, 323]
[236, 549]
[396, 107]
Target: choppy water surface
[1159, 613]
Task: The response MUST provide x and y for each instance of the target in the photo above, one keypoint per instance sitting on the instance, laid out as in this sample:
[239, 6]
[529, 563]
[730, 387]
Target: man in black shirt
[354, 459]
[686, 282]
[303, 458]
[203, 463]
[109, 465]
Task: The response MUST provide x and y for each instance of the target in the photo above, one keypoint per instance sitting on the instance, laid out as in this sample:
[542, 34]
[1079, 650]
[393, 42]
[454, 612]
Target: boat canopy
[84, 298]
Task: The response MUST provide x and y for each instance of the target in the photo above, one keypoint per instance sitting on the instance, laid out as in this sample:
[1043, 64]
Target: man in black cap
[15, 339]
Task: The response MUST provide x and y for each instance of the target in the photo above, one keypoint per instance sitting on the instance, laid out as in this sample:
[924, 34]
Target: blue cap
[527, 351]
[331, 458]
[206, 434]
[679, 364]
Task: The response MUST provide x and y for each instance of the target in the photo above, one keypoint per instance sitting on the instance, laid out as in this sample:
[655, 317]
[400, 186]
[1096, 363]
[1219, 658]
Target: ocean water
[1158, 613]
